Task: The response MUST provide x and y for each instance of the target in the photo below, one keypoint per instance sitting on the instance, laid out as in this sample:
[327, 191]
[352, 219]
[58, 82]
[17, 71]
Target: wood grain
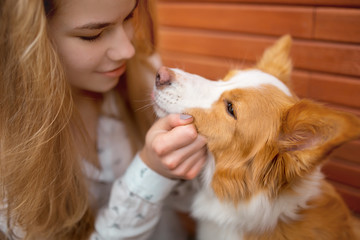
[258, 19]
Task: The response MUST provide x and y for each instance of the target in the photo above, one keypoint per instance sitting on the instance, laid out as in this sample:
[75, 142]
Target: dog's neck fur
[259, 212]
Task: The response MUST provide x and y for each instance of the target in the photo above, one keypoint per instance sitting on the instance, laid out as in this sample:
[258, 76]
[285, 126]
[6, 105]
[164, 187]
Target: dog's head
[262, 136]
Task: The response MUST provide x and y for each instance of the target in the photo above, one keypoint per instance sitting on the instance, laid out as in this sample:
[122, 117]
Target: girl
[74, 76]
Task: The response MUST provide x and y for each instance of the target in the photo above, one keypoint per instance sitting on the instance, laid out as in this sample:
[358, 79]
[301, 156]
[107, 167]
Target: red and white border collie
[262, 179]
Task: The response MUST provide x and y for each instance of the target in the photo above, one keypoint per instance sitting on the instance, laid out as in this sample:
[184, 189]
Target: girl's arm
[135, 204]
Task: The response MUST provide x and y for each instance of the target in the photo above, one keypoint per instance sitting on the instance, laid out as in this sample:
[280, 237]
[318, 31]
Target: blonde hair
[43, 189]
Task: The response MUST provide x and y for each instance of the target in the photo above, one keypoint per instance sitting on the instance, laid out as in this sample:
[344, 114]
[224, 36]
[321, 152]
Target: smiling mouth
[117, 72]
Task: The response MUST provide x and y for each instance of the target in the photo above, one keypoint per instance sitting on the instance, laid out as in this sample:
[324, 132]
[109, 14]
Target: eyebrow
[93, 26]
[100, 25]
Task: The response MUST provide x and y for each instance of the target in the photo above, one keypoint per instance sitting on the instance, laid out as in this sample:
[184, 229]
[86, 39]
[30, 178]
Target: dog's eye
[230, 109]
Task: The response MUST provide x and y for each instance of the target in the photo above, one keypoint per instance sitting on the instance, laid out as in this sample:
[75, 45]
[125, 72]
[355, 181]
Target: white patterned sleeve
[135, 204]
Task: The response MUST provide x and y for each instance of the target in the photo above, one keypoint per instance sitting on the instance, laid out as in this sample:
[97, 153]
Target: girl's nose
[121, 46]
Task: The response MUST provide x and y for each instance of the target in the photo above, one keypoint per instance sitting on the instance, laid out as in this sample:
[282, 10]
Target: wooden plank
[259, 19]
[337, 24]
[335, 89]
[349, 151]
[307, 55]
[215, 44]
[300, 81]
[350, 3]
[344, 3]
[342, 171]
[351, 195]
[208, 67]
[327, 57]
[355, 111]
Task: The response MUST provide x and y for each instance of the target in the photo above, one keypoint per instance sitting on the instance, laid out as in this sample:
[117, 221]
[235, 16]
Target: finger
[196, 169]
[171, 121]
[178, 156]
[175, 139]
[197, 145]
[188, 164]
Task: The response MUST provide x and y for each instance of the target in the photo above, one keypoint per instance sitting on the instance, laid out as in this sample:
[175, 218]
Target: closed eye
[230, 109]
[131, 14]
[91, 38]
[129, 17]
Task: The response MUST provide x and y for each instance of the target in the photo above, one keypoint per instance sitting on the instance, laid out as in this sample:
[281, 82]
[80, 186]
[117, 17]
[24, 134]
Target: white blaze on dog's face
[186, 91]
[237, 100]
[263, 138]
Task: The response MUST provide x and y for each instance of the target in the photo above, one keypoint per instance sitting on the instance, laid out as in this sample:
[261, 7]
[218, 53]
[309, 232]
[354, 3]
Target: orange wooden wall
[208, 37]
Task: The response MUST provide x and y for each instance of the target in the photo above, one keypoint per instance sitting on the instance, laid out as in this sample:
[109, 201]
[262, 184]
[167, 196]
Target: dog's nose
[163, 77]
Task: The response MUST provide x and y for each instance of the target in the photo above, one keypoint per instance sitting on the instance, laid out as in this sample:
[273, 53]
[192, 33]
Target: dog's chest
[258, 214]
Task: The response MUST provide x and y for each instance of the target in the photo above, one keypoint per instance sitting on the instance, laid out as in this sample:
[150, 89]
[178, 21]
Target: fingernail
[185, 116]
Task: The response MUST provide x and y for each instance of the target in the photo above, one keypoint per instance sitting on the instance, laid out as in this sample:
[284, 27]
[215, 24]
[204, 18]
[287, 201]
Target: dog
[266, 146]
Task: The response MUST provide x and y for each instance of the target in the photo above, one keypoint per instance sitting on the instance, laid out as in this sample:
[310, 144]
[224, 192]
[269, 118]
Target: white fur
[192, 91]
[219, 218]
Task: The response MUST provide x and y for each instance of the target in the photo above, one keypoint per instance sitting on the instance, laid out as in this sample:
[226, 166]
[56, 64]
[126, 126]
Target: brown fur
[314, 222]
[274, 143]
[229, 75]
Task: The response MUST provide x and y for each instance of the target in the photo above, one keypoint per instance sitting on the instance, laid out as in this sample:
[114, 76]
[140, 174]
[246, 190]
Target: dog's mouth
[160, 112]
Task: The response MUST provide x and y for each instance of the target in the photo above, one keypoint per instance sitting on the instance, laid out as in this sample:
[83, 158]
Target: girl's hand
[173, 148]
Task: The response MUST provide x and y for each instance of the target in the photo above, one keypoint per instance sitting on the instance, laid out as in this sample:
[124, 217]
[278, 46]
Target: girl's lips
[116, 72]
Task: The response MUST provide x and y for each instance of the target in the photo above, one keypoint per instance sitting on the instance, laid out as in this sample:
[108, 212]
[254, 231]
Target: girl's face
[93, 39]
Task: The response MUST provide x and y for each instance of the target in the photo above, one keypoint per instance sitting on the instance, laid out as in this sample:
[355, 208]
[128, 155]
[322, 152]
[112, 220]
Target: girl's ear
[276, 60]
[310, 132]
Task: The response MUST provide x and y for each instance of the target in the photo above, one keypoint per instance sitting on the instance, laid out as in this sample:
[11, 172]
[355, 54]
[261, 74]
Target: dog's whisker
[145, 107]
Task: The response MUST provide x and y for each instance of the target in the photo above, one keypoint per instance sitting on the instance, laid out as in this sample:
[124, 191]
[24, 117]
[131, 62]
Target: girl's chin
[104, 87]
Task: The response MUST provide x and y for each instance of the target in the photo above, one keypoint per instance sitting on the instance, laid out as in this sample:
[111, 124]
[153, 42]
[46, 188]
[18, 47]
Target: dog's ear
[276, 60]
[310, 132]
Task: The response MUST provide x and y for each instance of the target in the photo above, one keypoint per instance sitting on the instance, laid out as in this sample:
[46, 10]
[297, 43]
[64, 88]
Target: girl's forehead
[79, 12]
